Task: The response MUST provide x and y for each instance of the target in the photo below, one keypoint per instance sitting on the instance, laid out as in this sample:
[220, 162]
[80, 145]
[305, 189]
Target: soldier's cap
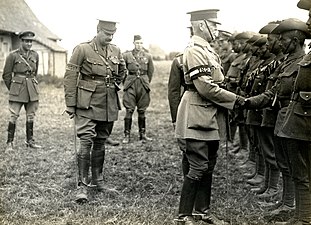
[254, 38]
[206, 14]
[137, 37]
[304, 4]
[292, 24]
[261, 41]
[27, 35]
[267, 29]
[107, 26]
[243, 35]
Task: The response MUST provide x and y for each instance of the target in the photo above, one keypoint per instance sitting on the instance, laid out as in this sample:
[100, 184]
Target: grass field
[36, 186]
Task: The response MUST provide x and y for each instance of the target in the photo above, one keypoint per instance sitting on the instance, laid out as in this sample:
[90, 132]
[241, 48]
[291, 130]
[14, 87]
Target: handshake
[242, 102]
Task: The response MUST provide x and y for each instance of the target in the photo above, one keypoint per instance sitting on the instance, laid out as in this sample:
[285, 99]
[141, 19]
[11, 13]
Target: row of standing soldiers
[263, 68]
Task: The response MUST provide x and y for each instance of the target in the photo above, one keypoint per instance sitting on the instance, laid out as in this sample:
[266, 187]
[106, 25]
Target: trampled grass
[37, 186]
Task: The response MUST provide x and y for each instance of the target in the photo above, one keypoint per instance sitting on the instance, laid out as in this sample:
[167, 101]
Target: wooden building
[16, 16]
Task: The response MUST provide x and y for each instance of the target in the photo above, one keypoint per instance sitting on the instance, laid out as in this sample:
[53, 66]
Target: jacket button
[305, 113]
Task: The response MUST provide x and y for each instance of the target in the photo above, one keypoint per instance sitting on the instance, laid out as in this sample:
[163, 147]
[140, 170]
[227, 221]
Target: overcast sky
[160, 22]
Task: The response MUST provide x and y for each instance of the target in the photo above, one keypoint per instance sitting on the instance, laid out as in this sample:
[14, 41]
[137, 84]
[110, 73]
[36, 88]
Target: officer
[19, 75]
[140, 69]
[293, 33]
[197, 122]
[91, 82]
[296, 131]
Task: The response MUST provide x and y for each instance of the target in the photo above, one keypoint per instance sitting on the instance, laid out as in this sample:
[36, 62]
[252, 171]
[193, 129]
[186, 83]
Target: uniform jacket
[279, 95]
[198, 115]
[234, 72]
[140, 66]
[297, 122]
[92, 79]
[19, 75]
[176, 85]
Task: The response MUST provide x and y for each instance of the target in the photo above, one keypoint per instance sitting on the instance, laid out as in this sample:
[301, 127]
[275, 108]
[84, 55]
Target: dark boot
[97, 163]
[259, 177]
[203, 197]
[262, 188]
[304, 201]
[127, 130]
[273, 180]
[142, 129]
[187, 198]
[83, 179]
[11, 132]
[30, 142]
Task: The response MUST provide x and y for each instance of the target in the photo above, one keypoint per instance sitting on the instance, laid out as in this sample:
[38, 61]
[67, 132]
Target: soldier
[296, 131]
[197, 117]
[257, 84]
[91, 82]
[140, 69]
[292, 36]
[19, 75]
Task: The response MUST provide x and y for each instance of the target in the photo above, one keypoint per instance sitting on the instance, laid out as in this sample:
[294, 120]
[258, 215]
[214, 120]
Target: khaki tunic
[19, 75]
[91, 81]
[198, 114]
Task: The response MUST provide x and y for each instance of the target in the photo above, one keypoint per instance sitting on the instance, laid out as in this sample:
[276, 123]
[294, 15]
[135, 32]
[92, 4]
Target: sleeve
[121, 70]
[205, 85]
[174, 88]
[150, 68]
[8, 70]
[71, 76]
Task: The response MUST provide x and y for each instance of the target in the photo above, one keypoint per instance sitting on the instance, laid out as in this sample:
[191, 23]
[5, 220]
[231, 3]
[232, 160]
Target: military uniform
[91, 83]
[197, 117]
[19, 75]
[296, 130]
[279, 96]
[136, 89]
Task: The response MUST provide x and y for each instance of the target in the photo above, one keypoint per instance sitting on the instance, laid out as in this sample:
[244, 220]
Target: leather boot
[127, 130]
[187, 198]
[203, 197]
[83, 179]
[243, 151]
[11, 132]
[273, 180]
[142, 129]
[259, 177]
[30, 142]
[97, 163]
[262, 188]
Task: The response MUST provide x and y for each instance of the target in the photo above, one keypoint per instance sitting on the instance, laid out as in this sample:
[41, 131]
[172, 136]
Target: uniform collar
[202, 42]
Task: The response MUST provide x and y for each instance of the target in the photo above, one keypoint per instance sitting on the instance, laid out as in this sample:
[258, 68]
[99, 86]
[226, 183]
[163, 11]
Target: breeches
[136, 96]
[89, 130]
[30, 108]
[202, 157]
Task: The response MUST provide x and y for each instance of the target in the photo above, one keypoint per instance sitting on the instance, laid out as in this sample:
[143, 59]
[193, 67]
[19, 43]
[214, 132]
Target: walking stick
[228, 137]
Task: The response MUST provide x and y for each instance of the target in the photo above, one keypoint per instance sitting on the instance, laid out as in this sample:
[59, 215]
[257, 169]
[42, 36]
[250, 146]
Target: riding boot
[262, 188]
[127, 130]
[83, 179]
[203, 197]
[243, 142]
[142, 129]
[30, 142]
[188, 197]
[97, 163]
[304, 200]
[11, 132]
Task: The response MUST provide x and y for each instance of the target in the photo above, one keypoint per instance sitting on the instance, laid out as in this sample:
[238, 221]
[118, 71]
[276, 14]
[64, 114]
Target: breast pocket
[115, 61]
[96, 65]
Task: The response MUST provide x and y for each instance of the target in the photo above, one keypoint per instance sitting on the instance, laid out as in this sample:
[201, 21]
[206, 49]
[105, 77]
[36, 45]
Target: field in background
[36, 186]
